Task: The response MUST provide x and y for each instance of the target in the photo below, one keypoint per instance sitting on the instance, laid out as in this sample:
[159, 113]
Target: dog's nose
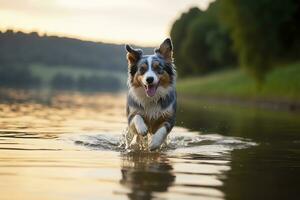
[150, 80]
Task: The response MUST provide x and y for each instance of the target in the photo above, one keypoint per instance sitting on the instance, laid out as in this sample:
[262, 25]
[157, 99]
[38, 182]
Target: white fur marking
[140, 125]
[158, 138]
[150, 72]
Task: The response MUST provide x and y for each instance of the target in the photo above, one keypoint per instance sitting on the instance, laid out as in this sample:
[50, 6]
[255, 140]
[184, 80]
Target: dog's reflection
[145, 173]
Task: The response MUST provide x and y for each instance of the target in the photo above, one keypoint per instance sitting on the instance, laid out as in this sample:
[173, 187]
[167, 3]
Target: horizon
[72, 38]
[61, 18]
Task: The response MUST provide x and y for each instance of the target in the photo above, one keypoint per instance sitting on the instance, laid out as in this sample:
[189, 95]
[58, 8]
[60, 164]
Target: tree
[178, 35]
[201, 43]
[207, 46]
[263, 32]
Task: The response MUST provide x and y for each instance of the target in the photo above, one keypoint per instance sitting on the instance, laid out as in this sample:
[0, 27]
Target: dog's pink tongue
[151, 90]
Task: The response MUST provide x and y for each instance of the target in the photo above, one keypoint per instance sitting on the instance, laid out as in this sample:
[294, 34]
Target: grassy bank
[281, 85]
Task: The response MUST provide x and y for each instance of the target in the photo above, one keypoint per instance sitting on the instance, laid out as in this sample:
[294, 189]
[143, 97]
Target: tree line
[86, 83]
[18, 48]
[18, 51]
[256, 35]
[18, 77]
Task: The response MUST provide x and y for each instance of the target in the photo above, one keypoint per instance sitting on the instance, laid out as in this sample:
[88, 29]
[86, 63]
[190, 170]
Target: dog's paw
[142, 129]
[140, 126]
[157, 139]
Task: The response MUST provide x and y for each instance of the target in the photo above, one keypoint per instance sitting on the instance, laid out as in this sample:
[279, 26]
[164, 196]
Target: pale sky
[142, 22]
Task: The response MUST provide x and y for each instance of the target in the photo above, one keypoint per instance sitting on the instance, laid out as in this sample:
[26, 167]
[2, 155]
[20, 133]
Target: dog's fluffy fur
[151, 100]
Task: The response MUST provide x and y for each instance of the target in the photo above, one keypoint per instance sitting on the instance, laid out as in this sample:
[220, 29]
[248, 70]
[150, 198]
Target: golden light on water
[30, 117]
[141, 22]
[70, 145]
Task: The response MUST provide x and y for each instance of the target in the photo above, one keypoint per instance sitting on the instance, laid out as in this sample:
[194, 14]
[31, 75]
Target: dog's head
[151, 71]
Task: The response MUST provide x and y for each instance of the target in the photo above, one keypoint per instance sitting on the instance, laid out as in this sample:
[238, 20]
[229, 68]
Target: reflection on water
[145, 174]
[191, 166]
[68, 147]
[269, 170]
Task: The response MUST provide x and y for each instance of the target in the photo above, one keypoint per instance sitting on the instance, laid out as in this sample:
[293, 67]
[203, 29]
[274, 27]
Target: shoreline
[274, 105]
[279, 91]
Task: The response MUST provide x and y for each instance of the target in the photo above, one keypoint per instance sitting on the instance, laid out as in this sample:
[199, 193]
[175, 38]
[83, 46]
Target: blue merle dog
[151, 101]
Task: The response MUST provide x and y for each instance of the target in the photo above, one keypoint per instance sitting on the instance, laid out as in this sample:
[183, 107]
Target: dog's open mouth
[150, 89]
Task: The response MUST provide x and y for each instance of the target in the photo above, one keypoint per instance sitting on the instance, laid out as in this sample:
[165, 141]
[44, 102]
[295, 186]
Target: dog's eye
[160, 69]
[143, 69]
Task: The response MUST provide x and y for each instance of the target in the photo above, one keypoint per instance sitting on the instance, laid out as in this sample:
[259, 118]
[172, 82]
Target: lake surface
[67, 146]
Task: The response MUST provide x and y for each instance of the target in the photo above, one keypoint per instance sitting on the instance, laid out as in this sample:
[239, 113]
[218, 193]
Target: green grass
[281, 84]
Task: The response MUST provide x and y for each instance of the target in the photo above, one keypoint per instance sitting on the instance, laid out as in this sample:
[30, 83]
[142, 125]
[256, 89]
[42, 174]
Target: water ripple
[186, 143]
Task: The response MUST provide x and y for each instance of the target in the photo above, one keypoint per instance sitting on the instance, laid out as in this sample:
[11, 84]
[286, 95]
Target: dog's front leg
[158, 138]
[160, 135]
[139, 124]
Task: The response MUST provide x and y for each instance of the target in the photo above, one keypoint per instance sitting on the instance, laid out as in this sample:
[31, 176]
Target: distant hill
[34, 61]
[18, 48]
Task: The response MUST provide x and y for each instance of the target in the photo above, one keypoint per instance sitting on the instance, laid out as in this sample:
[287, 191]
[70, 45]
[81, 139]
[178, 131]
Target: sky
[140, 22]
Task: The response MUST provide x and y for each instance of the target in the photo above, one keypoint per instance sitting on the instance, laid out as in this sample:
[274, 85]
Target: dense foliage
[262, 33]
[201, 43]
[178, 35]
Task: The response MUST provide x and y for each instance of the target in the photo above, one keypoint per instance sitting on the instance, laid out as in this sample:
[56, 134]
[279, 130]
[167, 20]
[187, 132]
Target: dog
[151, 98]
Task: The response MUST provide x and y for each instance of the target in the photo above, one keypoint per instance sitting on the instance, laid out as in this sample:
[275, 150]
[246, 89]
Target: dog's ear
[166, 49]
[133, 55]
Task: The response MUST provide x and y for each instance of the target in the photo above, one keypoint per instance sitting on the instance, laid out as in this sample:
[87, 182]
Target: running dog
[151, 99]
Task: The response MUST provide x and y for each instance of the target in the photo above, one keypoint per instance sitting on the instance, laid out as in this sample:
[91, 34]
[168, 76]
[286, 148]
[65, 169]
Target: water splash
[177, 142]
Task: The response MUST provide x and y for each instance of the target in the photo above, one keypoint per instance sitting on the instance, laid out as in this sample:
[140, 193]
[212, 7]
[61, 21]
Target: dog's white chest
[155, 111]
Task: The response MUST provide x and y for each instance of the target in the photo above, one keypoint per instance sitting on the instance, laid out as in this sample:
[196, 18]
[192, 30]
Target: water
[67, 146]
